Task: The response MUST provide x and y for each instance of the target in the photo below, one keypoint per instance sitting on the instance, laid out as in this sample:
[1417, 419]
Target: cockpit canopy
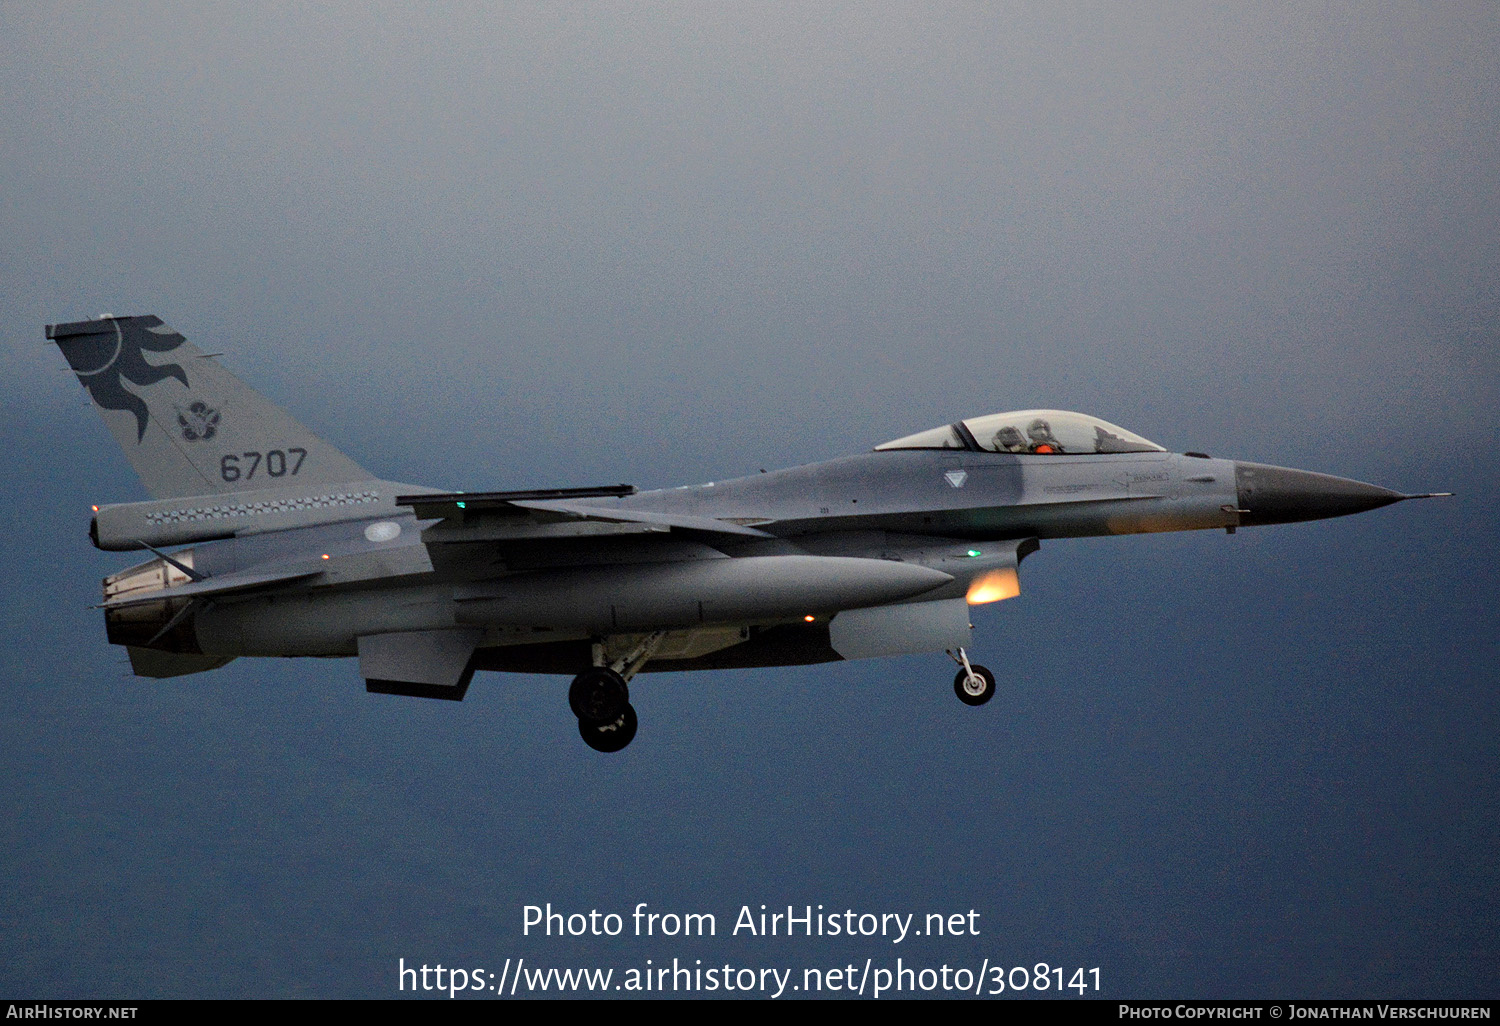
[1040, 432]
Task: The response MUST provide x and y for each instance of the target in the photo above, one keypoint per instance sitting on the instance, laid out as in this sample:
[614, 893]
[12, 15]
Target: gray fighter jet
[299, 551]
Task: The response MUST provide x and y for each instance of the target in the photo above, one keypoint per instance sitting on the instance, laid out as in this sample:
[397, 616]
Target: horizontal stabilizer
[209, 587]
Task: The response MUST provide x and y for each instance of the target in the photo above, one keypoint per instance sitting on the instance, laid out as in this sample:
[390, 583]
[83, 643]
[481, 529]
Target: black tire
[598, 696]
[963, 689]
[612, 736]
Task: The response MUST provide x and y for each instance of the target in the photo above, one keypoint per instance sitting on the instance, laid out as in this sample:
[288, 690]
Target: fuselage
[890, 526]
[971, 495]
[922, 509]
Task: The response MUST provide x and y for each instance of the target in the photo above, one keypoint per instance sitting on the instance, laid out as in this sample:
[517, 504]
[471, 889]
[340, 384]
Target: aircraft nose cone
[1279, 495]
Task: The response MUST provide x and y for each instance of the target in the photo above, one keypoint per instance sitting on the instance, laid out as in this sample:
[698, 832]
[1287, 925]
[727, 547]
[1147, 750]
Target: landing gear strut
[975, 684]
[600, 697]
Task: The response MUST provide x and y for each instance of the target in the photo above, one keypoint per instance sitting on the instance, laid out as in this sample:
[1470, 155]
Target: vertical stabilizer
[187, 425]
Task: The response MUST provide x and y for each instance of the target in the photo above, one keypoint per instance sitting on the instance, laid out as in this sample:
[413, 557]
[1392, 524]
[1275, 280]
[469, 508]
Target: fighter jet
[296, 550]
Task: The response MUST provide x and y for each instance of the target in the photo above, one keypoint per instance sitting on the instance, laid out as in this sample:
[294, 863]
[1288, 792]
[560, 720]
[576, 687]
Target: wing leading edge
[473, 510]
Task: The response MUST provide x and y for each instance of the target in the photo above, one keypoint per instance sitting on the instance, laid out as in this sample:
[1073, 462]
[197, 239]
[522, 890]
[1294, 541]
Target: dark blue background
[491, 249]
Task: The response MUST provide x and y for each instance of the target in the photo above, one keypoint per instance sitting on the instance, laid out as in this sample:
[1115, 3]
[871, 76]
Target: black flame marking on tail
[104, 364]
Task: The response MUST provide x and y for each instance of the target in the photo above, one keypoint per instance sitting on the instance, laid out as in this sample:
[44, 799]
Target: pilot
[1042, 439]
[1009, 439]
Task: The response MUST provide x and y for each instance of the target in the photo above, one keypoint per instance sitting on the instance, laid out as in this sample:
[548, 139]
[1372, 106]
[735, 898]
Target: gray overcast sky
[510, 245]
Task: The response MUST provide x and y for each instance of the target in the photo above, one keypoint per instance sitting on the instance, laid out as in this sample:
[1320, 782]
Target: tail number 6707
[276, 464]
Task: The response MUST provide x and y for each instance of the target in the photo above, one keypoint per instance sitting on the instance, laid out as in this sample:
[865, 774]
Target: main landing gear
[610, 735]
[600, 697]
[975, 684]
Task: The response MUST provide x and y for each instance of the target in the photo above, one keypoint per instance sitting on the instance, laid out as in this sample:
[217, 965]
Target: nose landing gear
[974, 684]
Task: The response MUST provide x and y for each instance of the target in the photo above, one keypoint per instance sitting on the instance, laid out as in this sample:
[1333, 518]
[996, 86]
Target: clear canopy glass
[1039, 432]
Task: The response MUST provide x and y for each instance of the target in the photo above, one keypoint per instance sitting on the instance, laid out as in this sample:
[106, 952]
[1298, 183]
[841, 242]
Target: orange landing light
[994, 586]
[809, 619]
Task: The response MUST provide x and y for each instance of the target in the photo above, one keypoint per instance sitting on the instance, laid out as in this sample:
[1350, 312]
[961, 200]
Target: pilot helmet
[1009, 439]
[1040, 431]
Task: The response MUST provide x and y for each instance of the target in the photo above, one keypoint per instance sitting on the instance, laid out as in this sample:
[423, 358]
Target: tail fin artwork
[187, 425]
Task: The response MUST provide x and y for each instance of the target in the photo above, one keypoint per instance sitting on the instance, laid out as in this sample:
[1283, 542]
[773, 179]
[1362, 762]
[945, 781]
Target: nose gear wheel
[974, 684]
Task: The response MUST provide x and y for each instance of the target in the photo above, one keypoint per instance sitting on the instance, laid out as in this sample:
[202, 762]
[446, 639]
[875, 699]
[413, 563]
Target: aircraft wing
[499, 516]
